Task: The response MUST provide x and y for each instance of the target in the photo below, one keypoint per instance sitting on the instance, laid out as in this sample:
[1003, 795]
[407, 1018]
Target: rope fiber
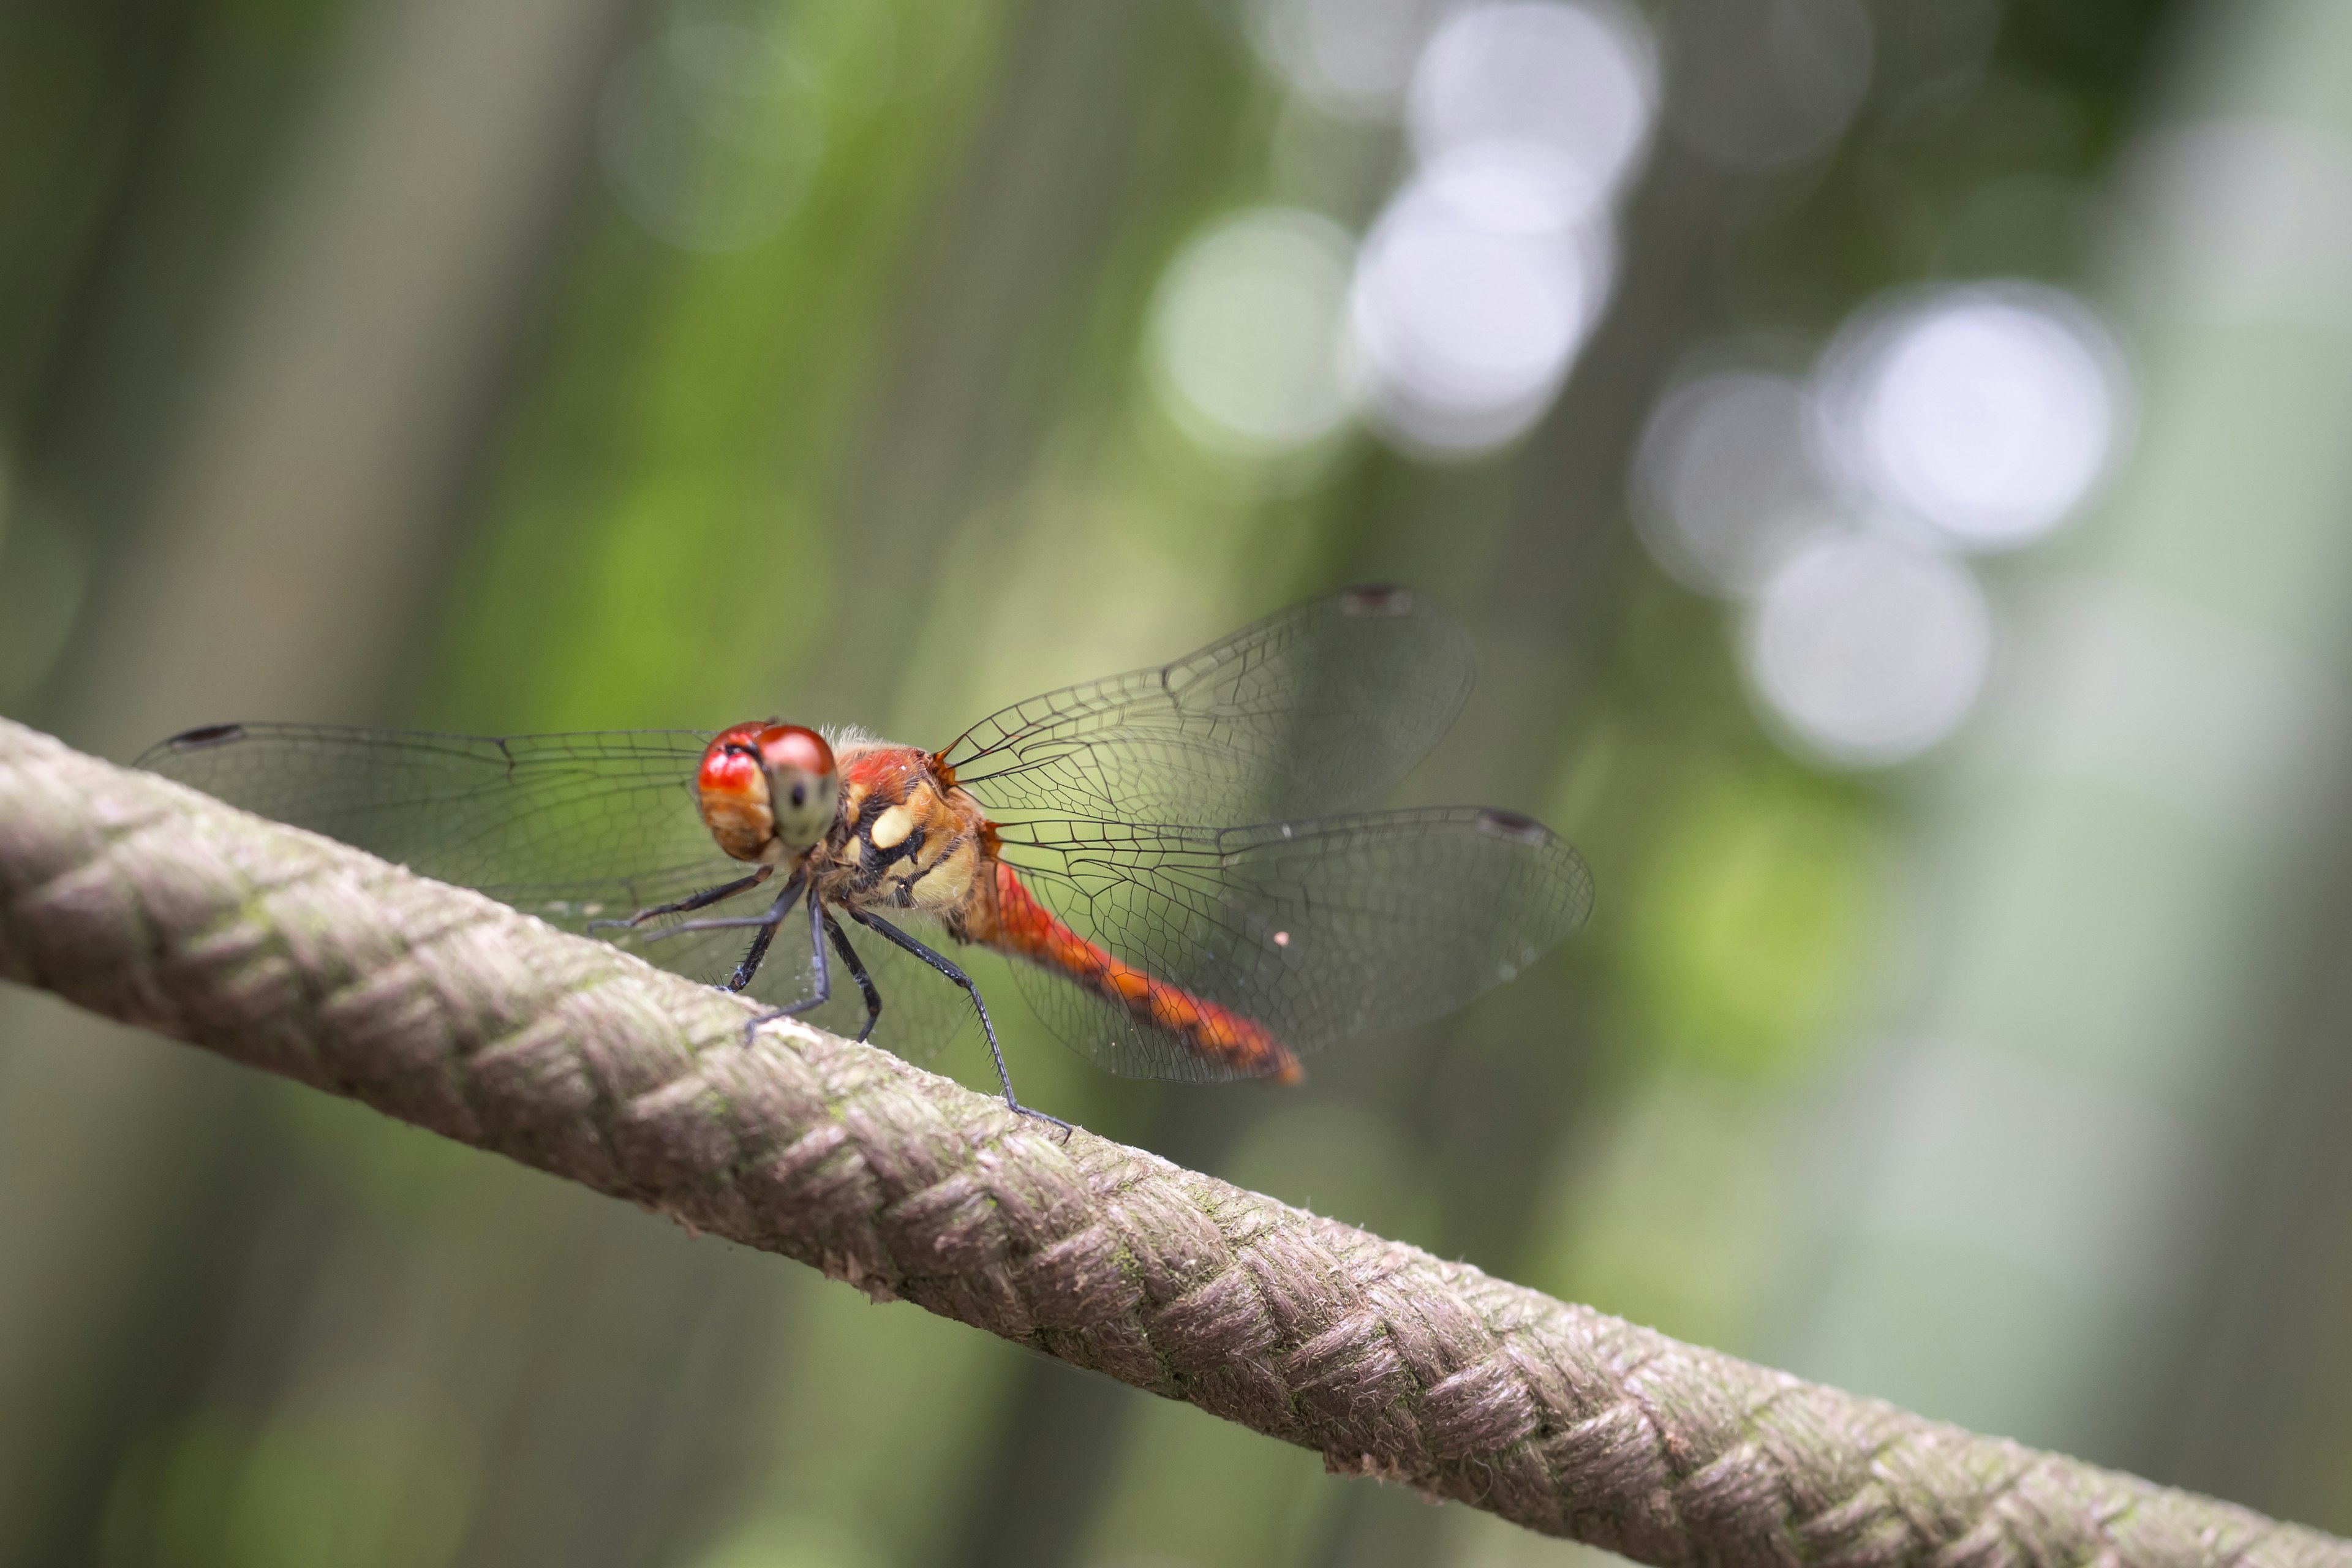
[152, 904]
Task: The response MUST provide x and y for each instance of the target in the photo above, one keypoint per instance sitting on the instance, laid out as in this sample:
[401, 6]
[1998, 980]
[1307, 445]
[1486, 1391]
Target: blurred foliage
[1759, 915]
[667, 479]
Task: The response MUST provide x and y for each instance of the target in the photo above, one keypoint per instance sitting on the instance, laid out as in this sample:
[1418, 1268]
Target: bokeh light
[1246, 333]
[1477, 284]
[1554, 101]
[1725, 484]
[1972, 419]
[1755, 84]
[1988, 413]
[1462, 333]
[1868, 649]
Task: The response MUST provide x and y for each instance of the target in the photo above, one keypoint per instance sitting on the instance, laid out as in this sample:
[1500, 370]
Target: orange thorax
[907, 838]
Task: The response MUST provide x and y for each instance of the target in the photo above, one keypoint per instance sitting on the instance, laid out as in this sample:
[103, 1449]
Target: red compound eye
[790, 746]
[732, 784]
[731, 766]
[804, 791]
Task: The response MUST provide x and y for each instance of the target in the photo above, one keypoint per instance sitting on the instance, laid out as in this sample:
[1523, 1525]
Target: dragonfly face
[767, 792]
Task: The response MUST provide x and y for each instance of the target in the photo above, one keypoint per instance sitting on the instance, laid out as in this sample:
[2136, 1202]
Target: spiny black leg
[875, 922]
[856, 973]
[766, 922]
[817, 922]
[769, 921]
[758, 952]
[703, 899]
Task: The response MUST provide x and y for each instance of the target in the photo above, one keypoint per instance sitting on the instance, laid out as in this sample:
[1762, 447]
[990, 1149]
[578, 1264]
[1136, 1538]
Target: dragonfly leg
[856, 973]
[823, 990]
[767, 922]
[936, 961]
[703, 899]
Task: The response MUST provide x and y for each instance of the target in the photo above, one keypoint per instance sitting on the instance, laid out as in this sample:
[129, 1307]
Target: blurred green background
[1964, 1019]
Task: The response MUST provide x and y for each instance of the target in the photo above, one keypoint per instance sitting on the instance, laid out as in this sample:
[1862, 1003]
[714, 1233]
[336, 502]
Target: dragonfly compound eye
[803, 789]
[731, 787]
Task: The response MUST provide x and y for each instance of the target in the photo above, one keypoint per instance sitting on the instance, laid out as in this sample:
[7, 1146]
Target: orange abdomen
[1027, 928]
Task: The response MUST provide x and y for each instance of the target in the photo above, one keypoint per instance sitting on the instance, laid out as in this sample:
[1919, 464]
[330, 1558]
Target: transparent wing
[1311, 710]
[604, 818]
[1321, 930]
[571, 828]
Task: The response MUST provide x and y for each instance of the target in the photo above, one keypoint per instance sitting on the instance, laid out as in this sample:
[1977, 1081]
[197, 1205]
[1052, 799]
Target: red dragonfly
[1171, 854]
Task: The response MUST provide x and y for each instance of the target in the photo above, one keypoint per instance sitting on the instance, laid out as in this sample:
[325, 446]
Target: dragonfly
[1177, 859]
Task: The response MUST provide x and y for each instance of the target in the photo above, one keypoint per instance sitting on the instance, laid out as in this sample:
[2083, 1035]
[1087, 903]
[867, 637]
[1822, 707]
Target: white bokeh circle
[1562, 93]
[1987, 413]
[1866, 649]
[1247, 334]
[1462, 332]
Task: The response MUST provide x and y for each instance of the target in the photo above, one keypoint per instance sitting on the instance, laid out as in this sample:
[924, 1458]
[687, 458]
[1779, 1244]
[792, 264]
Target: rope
[155, 905]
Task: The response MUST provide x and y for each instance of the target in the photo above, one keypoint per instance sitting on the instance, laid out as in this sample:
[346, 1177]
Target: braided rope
[152, 904]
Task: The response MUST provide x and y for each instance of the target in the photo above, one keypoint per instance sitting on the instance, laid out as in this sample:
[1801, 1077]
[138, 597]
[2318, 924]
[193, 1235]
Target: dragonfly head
[768, 791]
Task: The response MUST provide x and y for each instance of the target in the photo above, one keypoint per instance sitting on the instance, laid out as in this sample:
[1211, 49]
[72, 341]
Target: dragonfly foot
[759, 1021]
[1040, 1116]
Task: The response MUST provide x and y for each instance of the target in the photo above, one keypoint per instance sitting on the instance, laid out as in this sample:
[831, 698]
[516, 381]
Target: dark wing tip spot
[209, 735]
[1512, 826]
[1376, 599]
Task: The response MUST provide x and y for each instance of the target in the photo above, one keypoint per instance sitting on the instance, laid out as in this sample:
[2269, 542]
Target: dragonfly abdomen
[1025, 929]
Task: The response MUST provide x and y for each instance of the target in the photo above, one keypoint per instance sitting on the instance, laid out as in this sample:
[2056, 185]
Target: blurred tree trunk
[274, 558]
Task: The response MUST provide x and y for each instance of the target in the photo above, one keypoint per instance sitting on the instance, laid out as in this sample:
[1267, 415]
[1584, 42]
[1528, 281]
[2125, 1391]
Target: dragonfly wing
[1318, 931]
[571, 828]
[1308, 712]
[611, 815]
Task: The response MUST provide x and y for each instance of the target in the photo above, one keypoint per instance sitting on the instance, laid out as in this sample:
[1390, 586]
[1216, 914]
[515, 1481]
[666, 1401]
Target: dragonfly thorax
[908, 839]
